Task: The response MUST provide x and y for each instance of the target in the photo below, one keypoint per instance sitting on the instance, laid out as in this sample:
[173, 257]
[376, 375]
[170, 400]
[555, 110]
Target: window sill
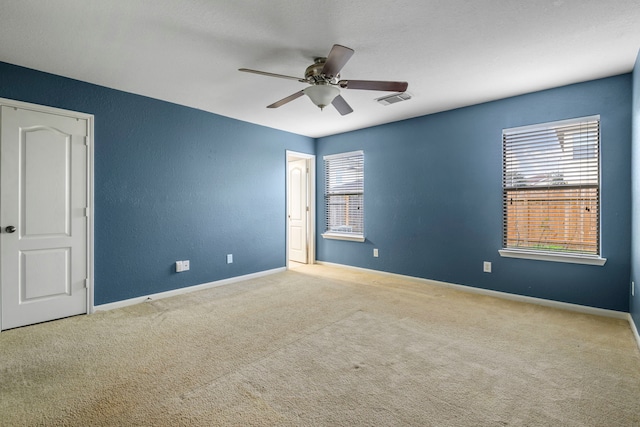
[341, 236]
[546, 256]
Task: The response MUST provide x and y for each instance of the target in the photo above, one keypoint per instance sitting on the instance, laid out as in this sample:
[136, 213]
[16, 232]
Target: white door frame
[311, 194]
[90, 119]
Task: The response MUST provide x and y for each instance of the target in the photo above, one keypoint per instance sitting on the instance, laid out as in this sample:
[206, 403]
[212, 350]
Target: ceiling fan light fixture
[322, 94]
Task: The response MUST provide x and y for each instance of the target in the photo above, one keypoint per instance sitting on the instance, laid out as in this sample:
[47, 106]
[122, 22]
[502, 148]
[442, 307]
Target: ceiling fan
[324, 77]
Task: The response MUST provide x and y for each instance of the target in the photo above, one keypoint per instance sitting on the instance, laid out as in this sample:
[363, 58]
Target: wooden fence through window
[560, 218]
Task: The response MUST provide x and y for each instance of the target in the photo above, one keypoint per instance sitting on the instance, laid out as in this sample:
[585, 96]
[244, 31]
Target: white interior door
[298, 210]
[43, 216]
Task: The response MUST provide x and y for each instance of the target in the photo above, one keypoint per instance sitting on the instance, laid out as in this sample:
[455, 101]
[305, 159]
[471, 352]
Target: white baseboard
[634, 330]
[166, 294]
[471, 289]
[498, 294]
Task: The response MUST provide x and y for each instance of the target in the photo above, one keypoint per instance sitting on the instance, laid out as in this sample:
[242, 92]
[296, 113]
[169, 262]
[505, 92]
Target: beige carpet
[323, 346]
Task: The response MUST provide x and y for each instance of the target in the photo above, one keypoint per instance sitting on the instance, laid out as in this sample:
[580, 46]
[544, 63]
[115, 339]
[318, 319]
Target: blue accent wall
[433, 196]
[172, 183]
[634, 304]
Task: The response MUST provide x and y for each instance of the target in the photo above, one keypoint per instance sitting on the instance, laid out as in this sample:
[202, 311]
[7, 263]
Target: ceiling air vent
[392, 99]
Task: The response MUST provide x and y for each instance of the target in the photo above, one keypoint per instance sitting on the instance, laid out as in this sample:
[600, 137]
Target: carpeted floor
[323, 346]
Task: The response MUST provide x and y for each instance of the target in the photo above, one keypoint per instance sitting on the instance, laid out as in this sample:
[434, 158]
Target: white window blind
[551, 187]
[344, 195]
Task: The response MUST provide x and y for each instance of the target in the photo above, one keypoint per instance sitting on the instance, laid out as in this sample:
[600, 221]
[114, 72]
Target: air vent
[392, 99]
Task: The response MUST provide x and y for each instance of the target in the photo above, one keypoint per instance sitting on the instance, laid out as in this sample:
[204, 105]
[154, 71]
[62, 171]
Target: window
[551, 191]
[344, 196]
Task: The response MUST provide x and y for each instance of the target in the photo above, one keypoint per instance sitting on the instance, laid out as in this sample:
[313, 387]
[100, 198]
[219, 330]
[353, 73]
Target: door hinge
[86, 212]
[307, 208]
[86, 283]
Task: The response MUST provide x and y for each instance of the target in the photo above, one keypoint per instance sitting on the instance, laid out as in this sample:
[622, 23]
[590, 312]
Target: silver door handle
[10, 229]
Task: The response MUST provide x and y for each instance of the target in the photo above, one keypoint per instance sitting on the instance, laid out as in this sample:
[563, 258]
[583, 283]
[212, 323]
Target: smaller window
[344, 196]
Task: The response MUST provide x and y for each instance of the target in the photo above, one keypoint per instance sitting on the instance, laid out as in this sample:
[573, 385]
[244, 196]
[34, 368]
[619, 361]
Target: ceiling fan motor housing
[313, 73]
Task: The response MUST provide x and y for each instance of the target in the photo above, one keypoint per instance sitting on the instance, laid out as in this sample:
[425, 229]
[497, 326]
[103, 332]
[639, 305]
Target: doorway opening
[300, 209]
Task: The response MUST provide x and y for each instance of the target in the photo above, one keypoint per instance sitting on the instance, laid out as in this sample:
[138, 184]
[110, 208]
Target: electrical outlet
[229, 258]
[179, 266]
[185, 265]
[375, 252]
[486, 266]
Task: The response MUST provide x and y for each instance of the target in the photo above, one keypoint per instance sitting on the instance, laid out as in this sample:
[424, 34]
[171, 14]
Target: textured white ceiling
[453, 53]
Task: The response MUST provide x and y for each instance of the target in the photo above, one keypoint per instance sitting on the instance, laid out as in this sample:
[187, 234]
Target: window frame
[552, 255]
[337, 235]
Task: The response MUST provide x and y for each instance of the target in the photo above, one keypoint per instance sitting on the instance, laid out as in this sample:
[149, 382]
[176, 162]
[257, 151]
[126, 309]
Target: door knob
[10, 229]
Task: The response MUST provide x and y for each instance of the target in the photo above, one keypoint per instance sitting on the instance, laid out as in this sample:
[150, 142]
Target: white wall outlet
[486, 267]
[179, 266]
[185, 265]
[229, 258]
[375, 252]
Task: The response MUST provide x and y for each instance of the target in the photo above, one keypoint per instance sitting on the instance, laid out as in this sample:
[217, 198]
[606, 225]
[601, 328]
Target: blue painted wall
[175, 183]
[172, 183]
[634, 304]
[433, 202]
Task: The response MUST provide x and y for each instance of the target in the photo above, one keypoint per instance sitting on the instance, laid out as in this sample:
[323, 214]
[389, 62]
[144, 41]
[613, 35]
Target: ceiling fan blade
[285, 100]
[374, 85]
[341, 105]
[338, 56]
[264, 73]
